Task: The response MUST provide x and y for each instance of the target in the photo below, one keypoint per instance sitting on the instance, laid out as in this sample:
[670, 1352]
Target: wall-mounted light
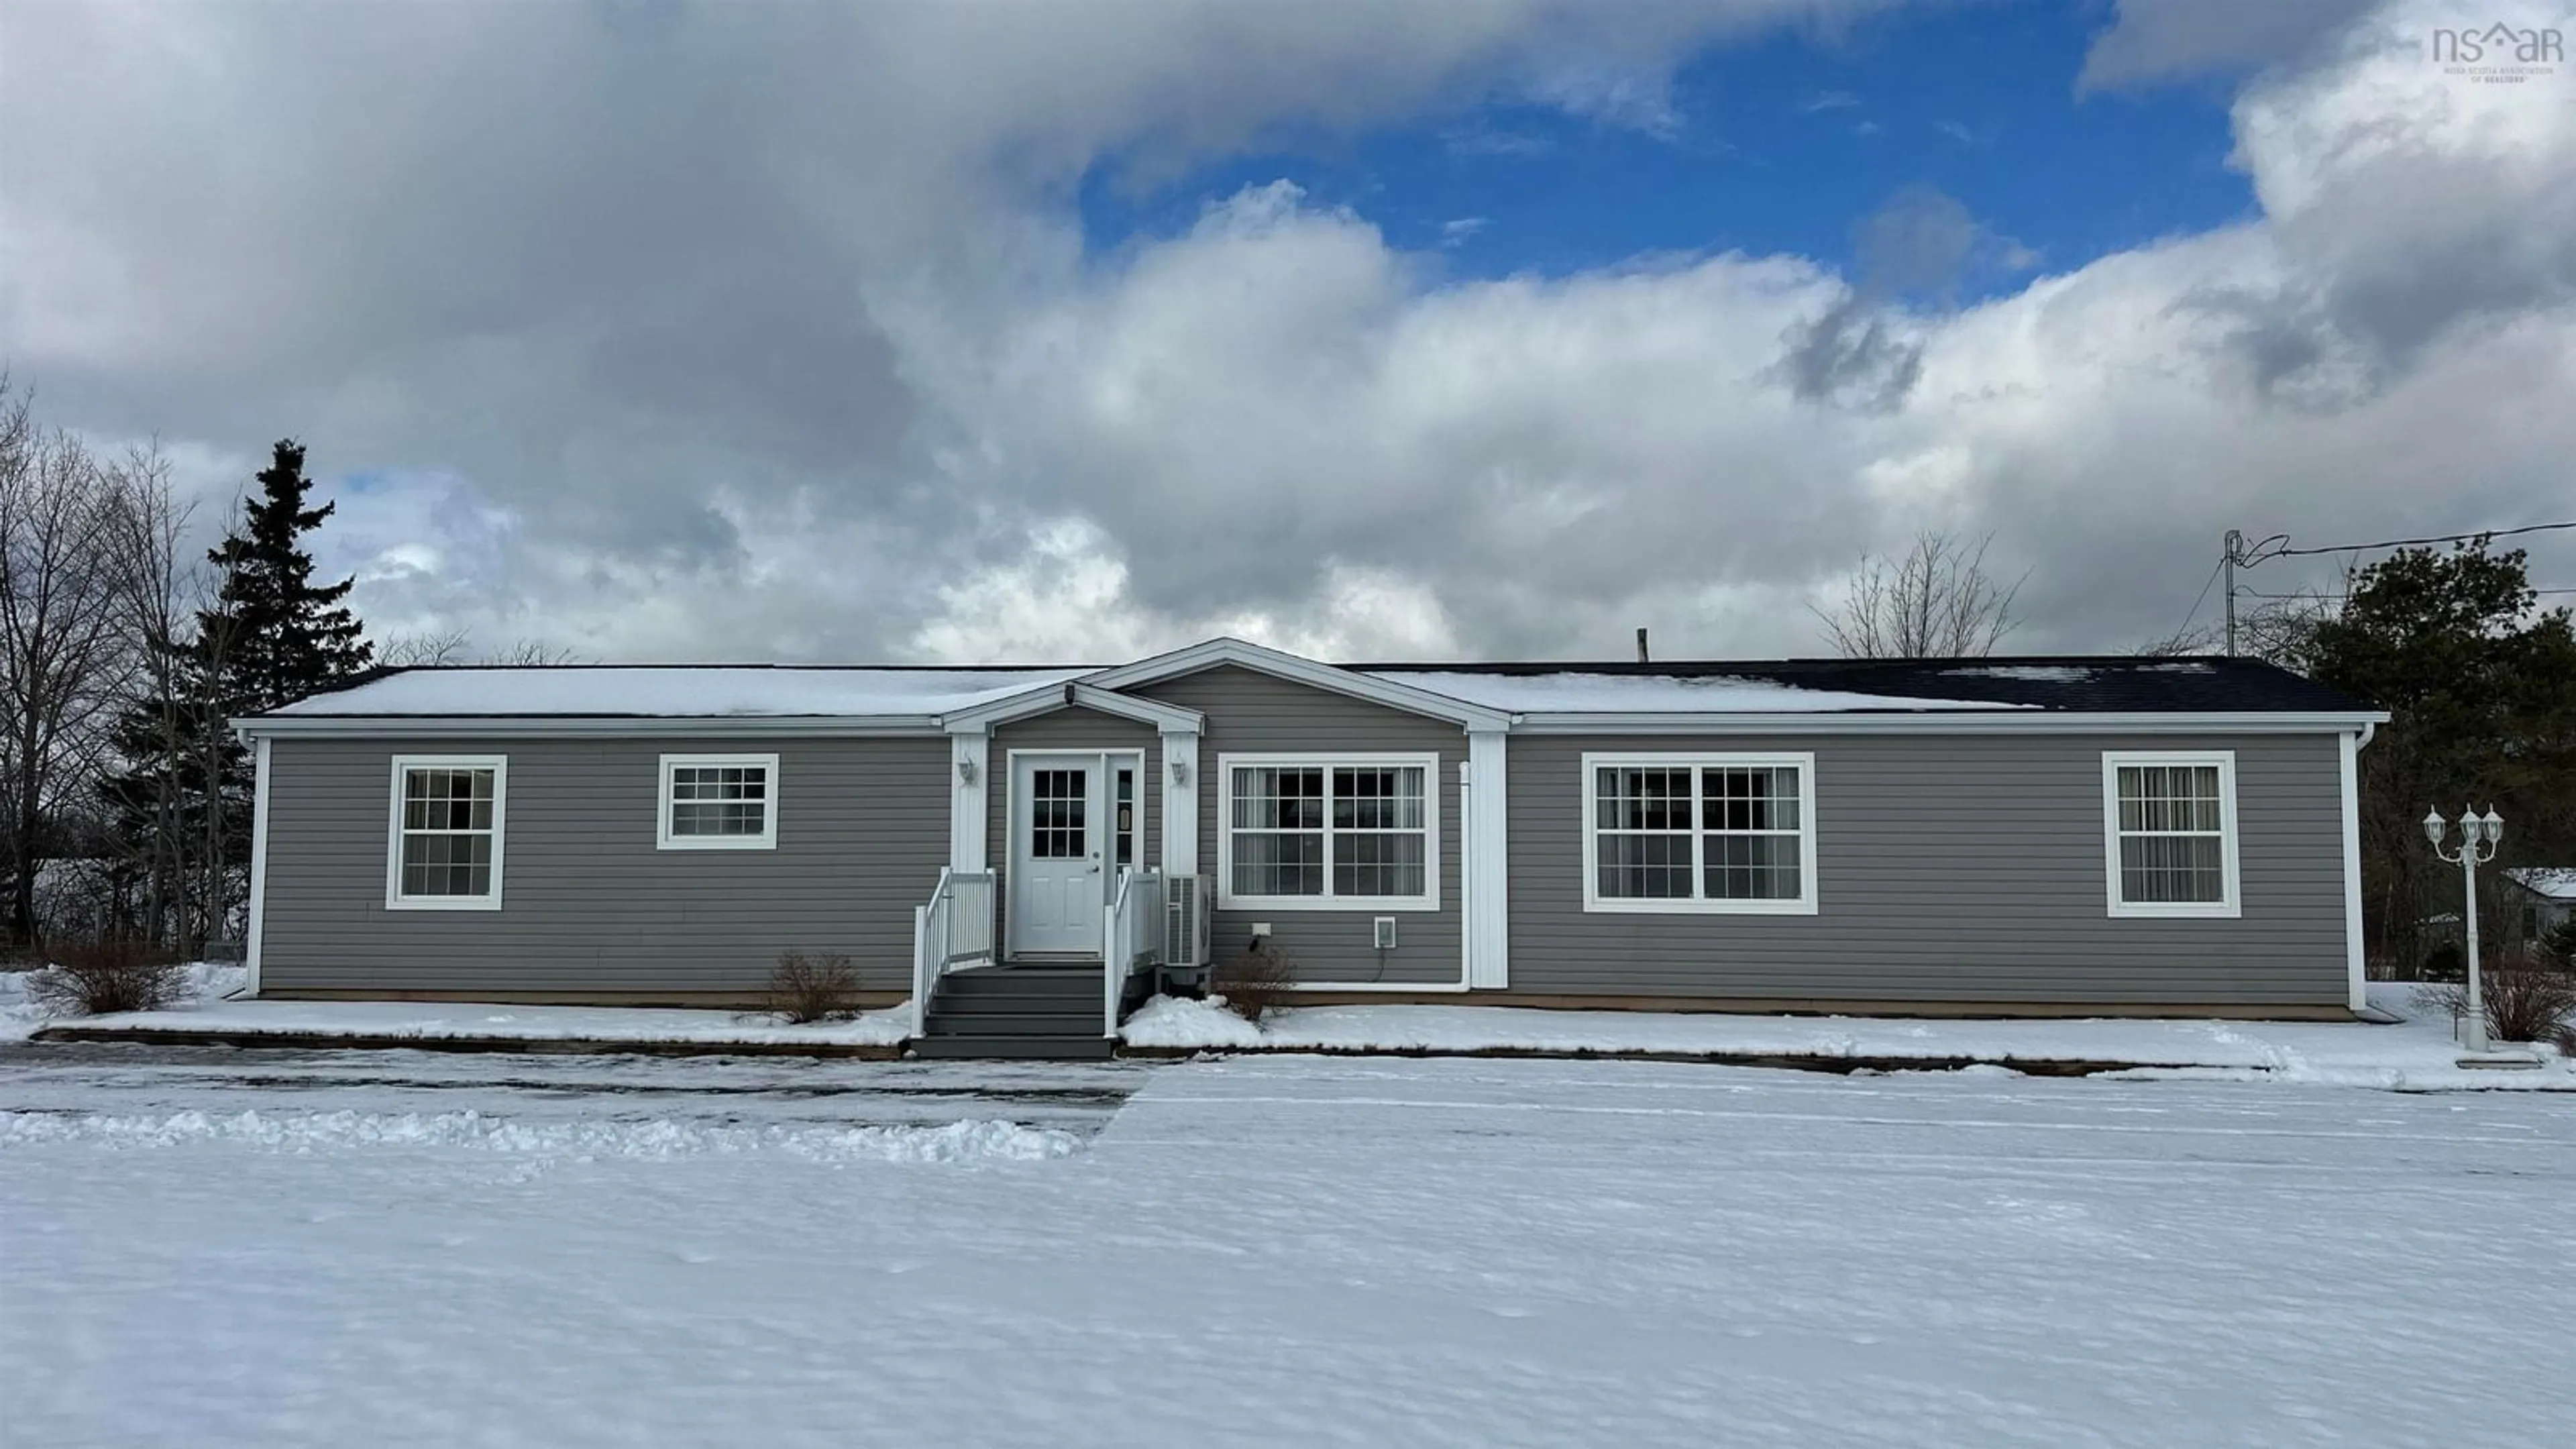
[1180, 772]
[965, 772]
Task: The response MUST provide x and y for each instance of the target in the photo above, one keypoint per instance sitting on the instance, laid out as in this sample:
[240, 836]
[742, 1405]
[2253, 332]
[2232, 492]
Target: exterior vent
[1185, 920]
[1386, 933]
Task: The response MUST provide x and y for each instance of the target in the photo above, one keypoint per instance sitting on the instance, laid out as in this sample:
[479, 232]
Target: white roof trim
[1941, 722]
[556, 726]
[1047, 698]
[1300, 670]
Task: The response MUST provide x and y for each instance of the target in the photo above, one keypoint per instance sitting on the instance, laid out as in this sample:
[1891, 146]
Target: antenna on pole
[1641, 645]
[2235, 555]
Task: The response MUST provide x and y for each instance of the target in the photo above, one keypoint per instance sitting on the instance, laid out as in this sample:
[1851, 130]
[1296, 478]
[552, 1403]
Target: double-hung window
[1700, 832]
[719, 802]
[2169, 832]
[445, 848]
[1321, 832]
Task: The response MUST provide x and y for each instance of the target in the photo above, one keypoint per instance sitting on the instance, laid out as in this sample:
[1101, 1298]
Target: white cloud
[700, 332]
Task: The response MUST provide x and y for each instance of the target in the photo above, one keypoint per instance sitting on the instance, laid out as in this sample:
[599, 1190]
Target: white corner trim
[2356, 969]
[1809, 891]
[1326, 760]
[395, 900]
[1181, 803]
[767, 839]
[969, 800]
[257, 928]
[1484, 881]
[1301, 670]
[2228, 909]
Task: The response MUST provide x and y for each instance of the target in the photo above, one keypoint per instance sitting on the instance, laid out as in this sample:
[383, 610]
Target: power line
[2202, 599]
[2259, 594]
[2257, 555]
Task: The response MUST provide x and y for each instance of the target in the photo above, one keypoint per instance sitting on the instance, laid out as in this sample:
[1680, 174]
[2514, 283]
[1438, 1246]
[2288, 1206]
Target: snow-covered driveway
[1285, 1251]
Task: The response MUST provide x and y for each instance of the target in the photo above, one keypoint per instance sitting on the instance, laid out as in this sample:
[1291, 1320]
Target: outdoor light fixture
[965, 772]
[2475, 829]
[1180, 772]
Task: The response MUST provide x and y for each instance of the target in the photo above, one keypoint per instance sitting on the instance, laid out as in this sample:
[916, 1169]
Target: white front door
[1058, 835]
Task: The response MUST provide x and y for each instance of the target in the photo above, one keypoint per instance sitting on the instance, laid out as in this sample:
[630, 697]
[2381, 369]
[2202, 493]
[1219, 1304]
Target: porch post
[969, 777]
[1180, 802]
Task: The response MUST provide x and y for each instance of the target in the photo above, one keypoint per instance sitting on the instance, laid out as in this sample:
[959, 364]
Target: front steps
[1027, 1012]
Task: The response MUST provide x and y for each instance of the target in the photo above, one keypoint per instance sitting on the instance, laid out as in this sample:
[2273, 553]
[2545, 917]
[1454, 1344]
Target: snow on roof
[2558, 882]
[1656, 694]
[2033, 673]
[678, 691]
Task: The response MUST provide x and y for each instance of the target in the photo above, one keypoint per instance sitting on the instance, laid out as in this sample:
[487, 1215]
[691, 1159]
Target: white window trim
[1804, 904]
[2230, 908]
[395, 900]
[767, 839]
[1226, 765]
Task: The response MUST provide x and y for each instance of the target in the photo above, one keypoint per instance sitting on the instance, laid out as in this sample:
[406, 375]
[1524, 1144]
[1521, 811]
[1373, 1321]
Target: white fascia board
[380, 726]
[1047, 698]
[1300, 670]
[1943, 722]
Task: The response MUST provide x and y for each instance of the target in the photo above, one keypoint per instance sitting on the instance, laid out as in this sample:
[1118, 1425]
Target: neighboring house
[2057, 836]
[2539, 900]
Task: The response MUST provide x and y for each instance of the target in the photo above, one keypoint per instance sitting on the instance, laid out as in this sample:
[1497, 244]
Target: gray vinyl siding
[1075, 729]
[1950, 869]
[589, 904]
[1249, 712]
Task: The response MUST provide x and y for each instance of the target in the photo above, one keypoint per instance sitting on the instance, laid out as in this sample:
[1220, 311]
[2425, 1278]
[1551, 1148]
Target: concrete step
[1003, 987]
[1018, 1048]
[1023, 1023]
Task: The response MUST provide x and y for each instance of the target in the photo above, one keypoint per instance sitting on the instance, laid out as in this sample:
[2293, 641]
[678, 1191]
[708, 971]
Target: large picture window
[1317, 832]
[445, 848]
[1700, 832]
[2169, 824]
[719, 802]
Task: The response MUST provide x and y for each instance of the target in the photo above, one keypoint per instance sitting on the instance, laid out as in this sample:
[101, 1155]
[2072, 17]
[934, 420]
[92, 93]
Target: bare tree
[428, 649]
[448, 647]
[60, 640]
[1937, 602]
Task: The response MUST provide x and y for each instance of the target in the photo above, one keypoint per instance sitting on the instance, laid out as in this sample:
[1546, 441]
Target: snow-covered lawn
[2418, 1053]
[1264, 1250]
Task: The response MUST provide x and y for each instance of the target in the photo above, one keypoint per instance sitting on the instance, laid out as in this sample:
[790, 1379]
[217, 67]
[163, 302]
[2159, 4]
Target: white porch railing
[954, 929]
[1131, 935]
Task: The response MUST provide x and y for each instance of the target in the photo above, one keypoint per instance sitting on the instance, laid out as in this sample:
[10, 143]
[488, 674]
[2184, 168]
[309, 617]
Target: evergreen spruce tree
[288, 636]
[272, 637]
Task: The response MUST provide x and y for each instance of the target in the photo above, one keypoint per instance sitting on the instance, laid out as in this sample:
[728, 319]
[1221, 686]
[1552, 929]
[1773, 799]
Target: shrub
[2445, 962]
[94, 978]
[2558, 947]
[1256, 982]
[806, 988]
[2523, 1003]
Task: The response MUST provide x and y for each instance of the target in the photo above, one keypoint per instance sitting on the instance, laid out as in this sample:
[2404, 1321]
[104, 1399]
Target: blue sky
[1782, 145]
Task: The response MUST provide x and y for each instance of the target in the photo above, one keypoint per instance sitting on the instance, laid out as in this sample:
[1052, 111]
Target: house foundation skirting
[1810, 1006]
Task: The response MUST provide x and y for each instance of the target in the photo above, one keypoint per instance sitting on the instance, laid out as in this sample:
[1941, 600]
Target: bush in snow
[807, 987]
[98, 977]
[2524, 1003]
[1256, 982]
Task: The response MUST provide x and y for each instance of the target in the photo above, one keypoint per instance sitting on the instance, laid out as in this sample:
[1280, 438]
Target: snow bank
[2418, 1054]
[470, 1021]
[967, 1141]
[19, 1016]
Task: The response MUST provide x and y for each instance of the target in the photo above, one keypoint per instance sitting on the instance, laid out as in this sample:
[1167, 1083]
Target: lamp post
[2475, 830]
